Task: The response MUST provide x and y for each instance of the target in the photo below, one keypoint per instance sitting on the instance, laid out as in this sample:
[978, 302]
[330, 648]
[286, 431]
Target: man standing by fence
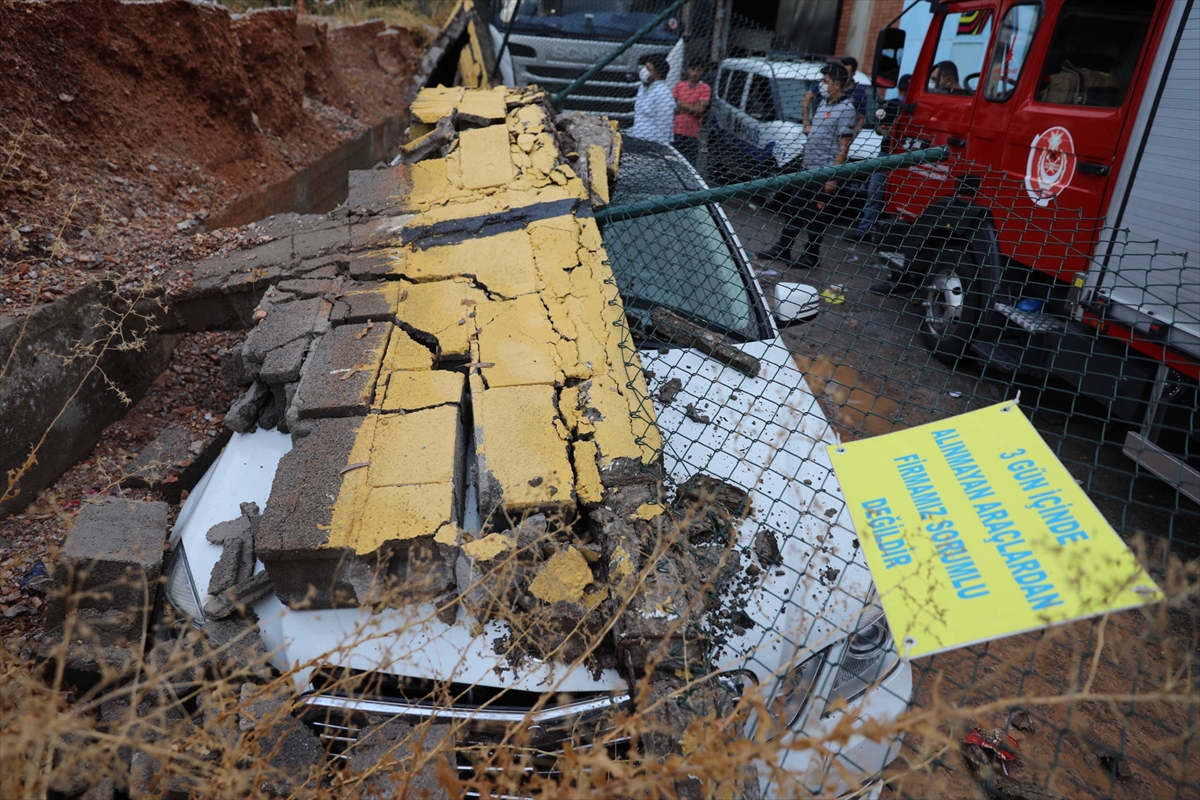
[808, 206]
[692, 97]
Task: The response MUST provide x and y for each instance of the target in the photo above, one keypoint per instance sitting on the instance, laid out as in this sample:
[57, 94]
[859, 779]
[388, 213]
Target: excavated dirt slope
[121, 123]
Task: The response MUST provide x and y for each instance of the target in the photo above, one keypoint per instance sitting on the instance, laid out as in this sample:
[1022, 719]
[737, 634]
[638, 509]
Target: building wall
[876, 14]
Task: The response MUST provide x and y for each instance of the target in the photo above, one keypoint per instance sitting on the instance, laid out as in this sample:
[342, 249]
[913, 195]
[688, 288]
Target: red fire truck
[1063, 236]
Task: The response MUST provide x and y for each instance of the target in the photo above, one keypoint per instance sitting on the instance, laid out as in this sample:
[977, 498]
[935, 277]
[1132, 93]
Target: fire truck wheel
[952, 305]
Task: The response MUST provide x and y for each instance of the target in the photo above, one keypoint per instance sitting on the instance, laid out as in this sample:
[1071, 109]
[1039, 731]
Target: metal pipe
[557, 99]
[504, 44]
[657, 205]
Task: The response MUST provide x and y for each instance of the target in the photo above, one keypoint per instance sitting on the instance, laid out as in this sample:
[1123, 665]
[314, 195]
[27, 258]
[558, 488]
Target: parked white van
[755, 123]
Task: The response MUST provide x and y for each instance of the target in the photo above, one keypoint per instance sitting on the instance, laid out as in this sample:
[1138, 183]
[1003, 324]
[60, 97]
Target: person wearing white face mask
[654, 107]
[810, 207]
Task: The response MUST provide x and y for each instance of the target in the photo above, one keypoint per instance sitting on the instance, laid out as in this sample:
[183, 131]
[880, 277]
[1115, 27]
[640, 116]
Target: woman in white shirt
[654, 107]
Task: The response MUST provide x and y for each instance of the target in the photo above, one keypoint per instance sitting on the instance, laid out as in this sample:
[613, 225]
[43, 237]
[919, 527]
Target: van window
[1012, 48]
[1094, 53]
[733, 88]
[961, 47]
[759, 103]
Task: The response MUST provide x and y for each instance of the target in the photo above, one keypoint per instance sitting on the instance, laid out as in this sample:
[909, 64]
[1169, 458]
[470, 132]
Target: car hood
[765, 434]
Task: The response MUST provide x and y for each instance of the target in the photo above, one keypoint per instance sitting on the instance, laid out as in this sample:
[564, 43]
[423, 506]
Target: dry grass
[197, 718]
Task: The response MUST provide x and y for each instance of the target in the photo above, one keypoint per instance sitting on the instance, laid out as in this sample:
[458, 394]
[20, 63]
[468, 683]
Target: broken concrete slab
[109, 566]
[243, 414]
[521, 453]
[239, 597]
[283, 323]
[340, 374]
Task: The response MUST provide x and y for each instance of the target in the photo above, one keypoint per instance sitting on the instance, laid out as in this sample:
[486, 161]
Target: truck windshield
[614, 20]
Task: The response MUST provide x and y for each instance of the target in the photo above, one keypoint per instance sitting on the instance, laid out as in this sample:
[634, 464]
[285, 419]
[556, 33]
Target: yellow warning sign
[974, 530]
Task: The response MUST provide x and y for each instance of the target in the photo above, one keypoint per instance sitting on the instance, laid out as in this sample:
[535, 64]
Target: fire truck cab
[1063, 235]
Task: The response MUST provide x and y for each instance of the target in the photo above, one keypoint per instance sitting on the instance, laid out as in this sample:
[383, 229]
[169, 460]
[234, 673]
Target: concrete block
[516, 338]
[243, 414]
[169, 463]
[292, 539]
[284, 323]
[287, 752]
[236, 564]
[239, 597]
[237, 649]
[339, 378]
[310, 287]
[282, 364]
[412, 391]
[373, 265]
[109, 566]
[502, 262]
[367, 302]
[378, 191]
[405, 353]
[521, 453]
[441, 314]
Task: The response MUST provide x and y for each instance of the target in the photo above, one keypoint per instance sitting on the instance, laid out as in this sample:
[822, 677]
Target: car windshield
[681, 260]
[586, 19]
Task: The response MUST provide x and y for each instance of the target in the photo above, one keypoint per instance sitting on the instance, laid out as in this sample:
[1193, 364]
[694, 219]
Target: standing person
[855, 91]
[833, 124]
[692, 97]
[654, 107]
[877, 180]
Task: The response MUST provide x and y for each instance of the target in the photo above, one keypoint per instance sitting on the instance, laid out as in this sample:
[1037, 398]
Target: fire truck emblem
[1051, 165]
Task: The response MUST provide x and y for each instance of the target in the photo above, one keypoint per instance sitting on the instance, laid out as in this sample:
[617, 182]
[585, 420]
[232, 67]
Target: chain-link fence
[924, 292]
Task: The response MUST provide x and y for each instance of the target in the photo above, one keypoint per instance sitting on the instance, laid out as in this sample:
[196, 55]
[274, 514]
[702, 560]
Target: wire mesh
[942, 288]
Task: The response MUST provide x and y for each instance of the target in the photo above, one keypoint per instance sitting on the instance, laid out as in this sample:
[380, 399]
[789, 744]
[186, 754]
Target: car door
[761, 114]
[1053, 127]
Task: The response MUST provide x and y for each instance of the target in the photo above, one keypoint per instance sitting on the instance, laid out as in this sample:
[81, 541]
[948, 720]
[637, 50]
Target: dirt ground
[123, 127]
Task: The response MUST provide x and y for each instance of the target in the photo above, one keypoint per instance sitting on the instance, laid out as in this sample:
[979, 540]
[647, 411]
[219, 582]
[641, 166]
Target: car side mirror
[889, 48]
[795, 302]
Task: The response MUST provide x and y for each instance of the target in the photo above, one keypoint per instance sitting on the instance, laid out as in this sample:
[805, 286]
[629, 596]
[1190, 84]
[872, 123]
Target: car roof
[803, 70]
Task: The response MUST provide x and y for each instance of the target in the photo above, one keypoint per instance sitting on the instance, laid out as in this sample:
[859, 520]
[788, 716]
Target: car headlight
[180, 589]
[869, 656]
[795, 690]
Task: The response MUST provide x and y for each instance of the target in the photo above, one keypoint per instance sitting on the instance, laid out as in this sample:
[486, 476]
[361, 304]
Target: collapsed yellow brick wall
[530, 317]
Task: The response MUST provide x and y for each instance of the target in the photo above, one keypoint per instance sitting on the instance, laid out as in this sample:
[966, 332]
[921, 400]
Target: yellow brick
[544, 153]
[421, 447]
[563, 578]
[527, 119]
[519, 449]
[433, 103]
[488, 547]
[403, 353]
[648, 511]
[442, 309]
[517, 338]
[485, 158]
[587, 476]
[617, 431]
[598, 173]
[410, 391]
[503, 263]
[351, 497]
[487, 104]
[394, 513]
